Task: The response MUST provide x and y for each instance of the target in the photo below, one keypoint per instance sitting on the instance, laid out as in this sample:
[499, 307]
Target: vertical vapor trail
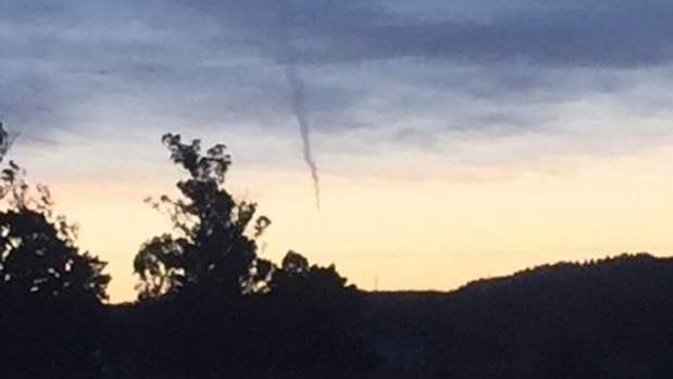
[299, 107]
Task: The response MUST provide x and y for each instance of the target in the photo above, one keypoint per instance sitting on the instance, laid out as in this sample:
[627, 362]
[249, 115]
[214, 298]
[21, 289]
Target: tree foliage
[38, 253]
[296, 317]
[299, 278]
[212, 247]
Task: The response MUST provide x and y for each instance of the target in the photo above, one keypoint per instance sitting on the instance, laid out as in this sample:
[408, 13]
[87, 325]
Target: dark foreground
[607, 319]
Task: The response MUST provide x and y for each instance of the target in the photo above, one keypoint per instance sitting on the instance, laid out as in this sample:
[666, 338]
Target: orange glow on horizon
[423, 234]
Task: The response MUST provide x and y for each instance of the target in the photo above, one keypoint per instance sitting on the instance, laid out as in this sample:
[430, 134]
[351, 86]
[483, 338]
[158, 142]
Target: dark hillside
[606, 319]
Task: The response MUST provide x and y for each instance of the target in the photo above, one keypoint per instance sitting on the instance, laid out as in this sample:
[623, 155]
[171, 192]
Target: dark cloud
[410, 73]
[616, 38]
[618, 34]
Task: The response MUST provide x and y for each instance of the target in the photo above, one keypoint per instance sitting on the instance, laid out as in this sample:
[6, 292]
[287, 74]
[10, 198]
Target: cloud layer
[380, 76]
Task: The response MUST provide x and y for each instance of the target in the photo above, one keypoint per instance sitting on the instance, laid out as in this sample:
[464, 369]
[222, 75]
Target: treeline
[208, 305]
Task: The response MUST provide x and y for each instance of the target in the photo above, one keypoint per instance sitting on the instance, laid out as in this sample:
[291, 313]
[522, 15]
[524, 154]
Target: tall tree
[210, 248]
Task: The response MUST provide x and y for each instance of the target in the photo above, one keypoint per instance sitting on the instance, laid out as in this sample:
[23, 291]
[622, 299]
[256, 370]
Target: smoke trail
[299, 106]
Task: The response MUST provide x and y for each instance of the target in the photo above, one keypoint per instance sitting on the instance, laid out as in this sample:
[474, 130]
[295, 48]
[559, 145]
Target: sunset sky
[454, 139]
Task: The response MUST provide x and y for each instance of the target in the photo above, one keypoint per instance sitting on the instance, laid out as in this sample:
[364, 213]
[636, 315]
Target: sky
[453, 140]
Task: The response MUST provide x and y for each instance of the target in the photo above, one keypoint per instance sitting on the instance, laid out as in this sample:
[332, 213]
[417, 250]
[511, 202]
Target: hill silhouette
[610, 318]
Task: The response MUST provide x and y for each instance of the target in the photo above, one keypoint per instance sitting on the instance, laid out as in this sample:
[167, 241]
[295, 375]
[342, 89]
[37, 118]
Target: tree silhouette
[37, 249]
[50, 292]
[296, 276]
[209, 250]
